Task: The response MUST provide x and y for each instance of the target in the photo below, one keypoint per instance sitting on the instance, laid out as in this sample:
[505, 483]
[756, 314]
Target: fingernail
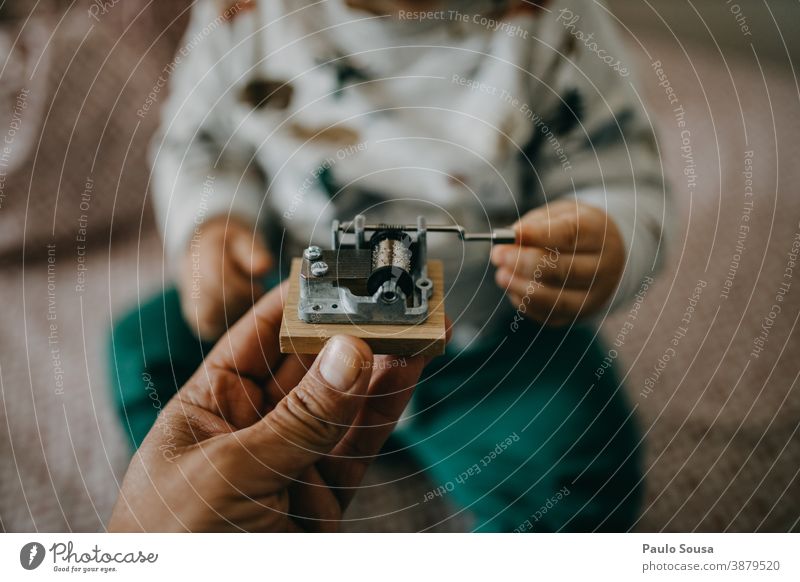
[341, 364]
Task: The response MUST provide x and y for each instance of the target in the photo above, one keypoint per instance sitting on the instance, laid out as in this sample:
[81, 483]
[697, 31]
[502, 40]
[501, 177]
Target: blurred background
[78, 247]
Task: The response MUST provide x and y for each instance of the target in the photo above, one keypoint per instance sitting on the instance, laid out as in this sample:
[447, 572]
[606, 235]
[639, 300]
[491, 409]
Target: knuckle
[571, 232]
[312, 415]
[223, 386]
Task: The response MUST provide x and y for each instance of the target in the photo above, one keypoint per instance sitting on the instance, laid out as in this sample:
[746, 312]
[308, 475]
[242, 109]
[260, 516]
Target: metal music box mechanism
[374, 273]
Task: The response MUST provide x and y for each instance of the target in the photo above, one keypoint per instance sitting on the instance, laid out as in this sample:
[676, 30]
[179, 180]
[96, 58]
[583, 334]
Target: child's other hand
[220, 275]
[569, 262]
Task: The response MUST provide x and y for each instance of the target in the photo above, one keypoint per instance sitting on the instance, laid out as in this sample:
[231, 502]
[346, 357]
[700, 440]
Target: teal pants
[521, 434]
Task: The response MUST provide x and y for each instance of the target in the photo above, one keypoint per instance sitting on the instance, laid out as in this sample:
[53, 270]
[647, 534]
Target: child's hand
[220, 274]
[569, 263]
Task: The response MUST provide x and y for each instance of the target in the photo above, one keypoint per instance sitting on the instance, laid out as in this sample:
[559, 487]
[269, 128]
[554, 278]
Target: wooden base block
[426, 338]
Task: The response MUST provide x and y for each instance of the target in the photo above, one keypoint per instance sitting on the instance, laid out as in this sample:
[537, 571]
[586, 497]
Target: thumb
[316, 414]
[250, 252]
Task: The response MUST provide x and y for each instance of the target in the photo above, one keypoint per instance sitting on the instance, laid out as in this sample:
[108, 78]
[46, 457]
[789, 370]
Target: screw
[312, 253]
[319, 269]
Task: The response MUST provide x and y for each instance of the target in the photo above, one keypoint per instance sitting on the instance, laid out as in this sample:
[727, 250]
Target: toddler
[286, 115]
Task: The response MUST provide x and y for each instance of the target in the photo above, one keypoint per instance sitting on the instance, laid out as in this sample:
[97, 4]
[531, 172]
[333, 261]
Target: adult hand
[569, 261]
[220, 274]
[258, 441]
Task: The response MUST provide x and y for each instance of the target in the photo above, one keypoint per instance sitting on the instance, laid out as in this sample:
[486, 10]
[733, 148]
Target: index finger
[581, 230]
[389, 393]
[393, 383]
[251, 347]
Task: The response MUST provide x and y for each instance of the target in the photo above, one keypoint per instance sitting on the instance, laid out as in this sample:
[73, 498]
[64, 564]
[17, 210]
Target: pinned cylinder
[392, 261]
